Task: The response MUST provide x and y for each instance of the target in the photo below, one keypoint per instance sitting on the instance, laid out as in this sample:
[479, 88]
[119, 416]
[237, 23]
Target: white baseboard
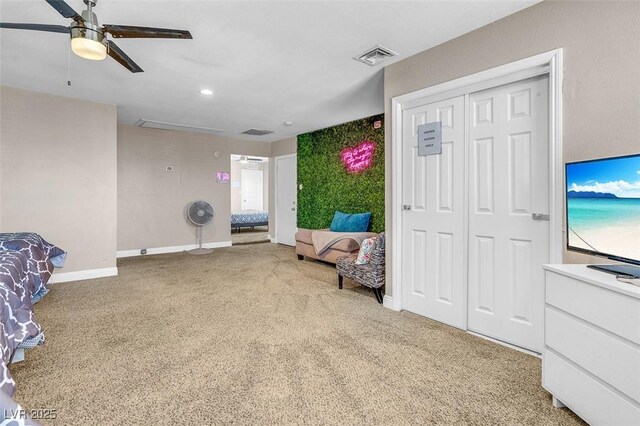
[89, 274]
[387, 302]
[273, 240]
[171, 249]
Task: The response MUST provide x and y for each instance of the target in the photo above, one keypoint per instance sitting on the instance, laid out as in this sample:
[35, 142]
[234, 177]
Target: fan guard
[200, 213]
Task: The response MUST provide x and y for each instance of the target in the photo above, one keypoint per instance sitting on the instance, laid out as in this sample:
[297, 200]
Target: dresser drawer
[612, 311]
[613, 360]
[583, 394]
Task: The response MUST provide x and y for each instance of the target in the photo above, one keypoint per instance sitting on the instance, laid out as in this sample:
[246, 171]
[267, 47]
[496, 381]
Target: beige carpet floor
[250, 335]
[259, 234]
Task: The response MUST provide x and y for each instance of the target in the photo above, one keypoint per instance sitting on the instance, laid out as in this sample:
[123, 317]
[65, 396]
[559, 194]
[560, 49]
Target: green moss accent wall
[328, 186]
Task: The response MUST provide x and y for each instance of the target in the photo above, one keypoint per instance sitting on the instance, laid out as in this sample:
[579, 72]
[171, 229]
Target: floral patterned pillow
[364, 256]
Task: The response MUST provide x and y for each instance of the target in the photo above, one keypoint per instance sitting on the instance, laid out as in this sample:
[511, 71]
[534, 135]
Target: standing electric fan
[200, 213]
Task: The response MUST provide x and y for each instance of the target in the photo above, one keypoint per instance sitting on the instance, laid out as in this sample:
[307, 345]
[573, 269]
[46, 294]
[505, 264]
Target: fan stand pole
[200, 249]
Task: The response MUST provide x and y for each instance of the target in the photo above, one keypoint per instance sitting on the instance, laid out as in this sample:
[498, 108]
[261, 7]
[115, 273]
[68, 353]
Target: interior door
[508, 187]
[433, 258]
[252, 190]
[286, 198]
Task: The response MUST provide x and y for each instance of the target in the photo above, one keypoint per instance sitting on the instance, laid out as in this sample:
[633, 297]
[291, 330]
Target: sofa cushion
[347, 245]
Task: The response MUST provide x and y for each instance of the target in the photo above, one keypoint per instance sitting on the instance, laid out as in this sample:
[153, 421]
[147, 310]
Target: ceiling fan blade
[116, 53]
[36, 27]
[65, 10]
[127, 31]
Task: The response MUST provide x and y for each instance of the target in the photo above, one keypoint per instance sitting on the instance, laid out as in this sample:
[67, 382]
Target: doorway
[474, 224]
[249, 199]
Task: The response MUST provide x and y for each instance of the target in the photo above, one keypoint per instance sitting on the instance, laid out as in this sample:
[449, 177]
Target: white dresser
[591, 358]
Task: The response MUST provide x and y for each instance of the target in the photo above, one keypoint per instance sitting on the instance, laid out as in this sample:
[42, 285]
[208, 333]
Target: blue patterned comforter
[249, 217]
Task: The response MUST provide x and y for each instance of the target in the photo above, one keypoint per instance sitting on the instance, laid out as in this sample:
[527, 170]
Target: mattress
[249, 218]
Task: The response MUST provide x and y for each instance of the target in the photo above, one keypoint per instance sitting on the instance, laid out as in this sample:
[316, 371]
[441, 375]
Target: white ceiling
[267, 61]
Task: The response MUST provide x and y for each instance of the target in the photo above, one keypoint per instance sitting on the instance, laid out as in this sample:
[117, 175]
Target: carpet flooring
[250, 335]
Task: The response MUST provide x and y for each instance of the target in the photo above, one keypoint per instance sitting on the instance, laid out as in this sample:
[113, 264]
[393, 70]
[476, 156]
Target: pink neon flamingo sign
[358, 158]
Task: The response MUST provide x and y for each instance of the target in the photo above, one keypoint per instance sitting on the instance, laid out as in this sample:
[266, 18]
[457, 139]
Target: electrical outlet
[143, 251]
[168, 168]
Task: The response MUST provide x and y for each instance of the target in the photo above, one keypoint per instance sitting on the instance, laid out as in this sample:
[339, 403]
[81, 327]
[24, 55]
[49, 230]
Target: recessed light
[288, 123]
[207, 92]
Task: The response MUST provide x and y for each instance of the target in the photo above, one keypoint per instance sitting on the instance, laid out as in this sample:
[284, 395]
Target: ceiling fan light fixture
[88, 43]
[88, 38]
[89, 49]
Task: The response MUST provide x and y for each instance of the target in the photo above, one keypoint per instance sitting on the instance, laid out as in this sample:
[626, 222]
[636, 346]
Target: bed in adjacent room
[249, 219]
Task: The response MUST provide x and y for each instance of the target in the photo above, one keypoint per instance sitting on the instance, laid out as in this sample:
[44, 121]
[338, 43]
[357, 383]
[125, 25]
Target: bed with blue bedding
[249, 219]
[26, 264]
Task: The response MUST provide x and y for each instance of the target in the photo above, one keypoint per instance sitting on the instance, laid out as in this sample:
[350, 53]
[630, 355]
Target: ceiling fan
[89, 39]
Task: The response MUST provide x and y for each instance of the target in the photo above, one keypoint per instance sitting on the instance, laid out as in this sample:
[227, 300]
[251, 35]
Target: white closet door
[508, 184]
[433, 262]
[252, 190]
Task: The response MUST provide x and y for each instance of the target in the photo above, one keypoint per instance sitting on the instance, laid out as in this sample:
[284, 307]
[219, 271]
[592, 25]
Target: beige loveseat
[304, 247]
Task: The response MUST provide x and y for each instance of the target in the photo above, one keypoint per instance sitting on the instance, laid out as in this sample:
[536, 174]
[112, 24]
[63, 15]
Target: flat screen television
[603, 211]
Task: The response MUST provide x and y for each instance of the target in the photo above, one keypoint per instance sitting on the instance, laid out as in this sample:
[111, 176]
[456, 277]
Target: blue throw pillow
[344, 222]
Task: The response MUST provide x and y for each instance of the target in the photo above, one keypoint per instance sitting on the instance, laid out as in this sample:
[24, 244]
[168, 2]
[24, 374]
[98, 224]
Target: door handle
[406, 207]
[539, 216]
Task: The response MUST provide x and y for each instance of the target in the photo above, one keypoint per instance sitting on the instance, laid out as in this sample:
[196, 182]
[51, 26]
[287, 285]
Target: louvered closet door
[508, 183]
[432, 230]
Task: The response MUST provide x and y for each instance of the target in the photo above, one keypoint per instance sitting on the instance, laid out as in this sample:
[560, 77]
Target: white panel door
[252, 190]
[433, 263]
[508, 183]
[286, 198]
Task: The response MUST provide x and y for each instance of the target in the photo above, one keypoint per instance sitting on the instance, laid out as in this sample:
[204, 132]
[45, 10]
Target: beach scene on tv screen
[603, 206]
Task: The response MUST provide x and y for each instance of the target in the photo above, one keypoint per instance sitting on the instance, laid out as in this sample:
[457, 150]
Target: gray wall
[152, 202]
[601, 42]
[58, 174]
[284, 146]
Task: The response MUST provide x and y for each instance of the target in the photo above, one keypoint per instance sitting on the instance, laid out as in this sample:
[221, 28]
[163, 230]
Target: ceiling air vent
[151, 124]
[375, 55]
[256, 132]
